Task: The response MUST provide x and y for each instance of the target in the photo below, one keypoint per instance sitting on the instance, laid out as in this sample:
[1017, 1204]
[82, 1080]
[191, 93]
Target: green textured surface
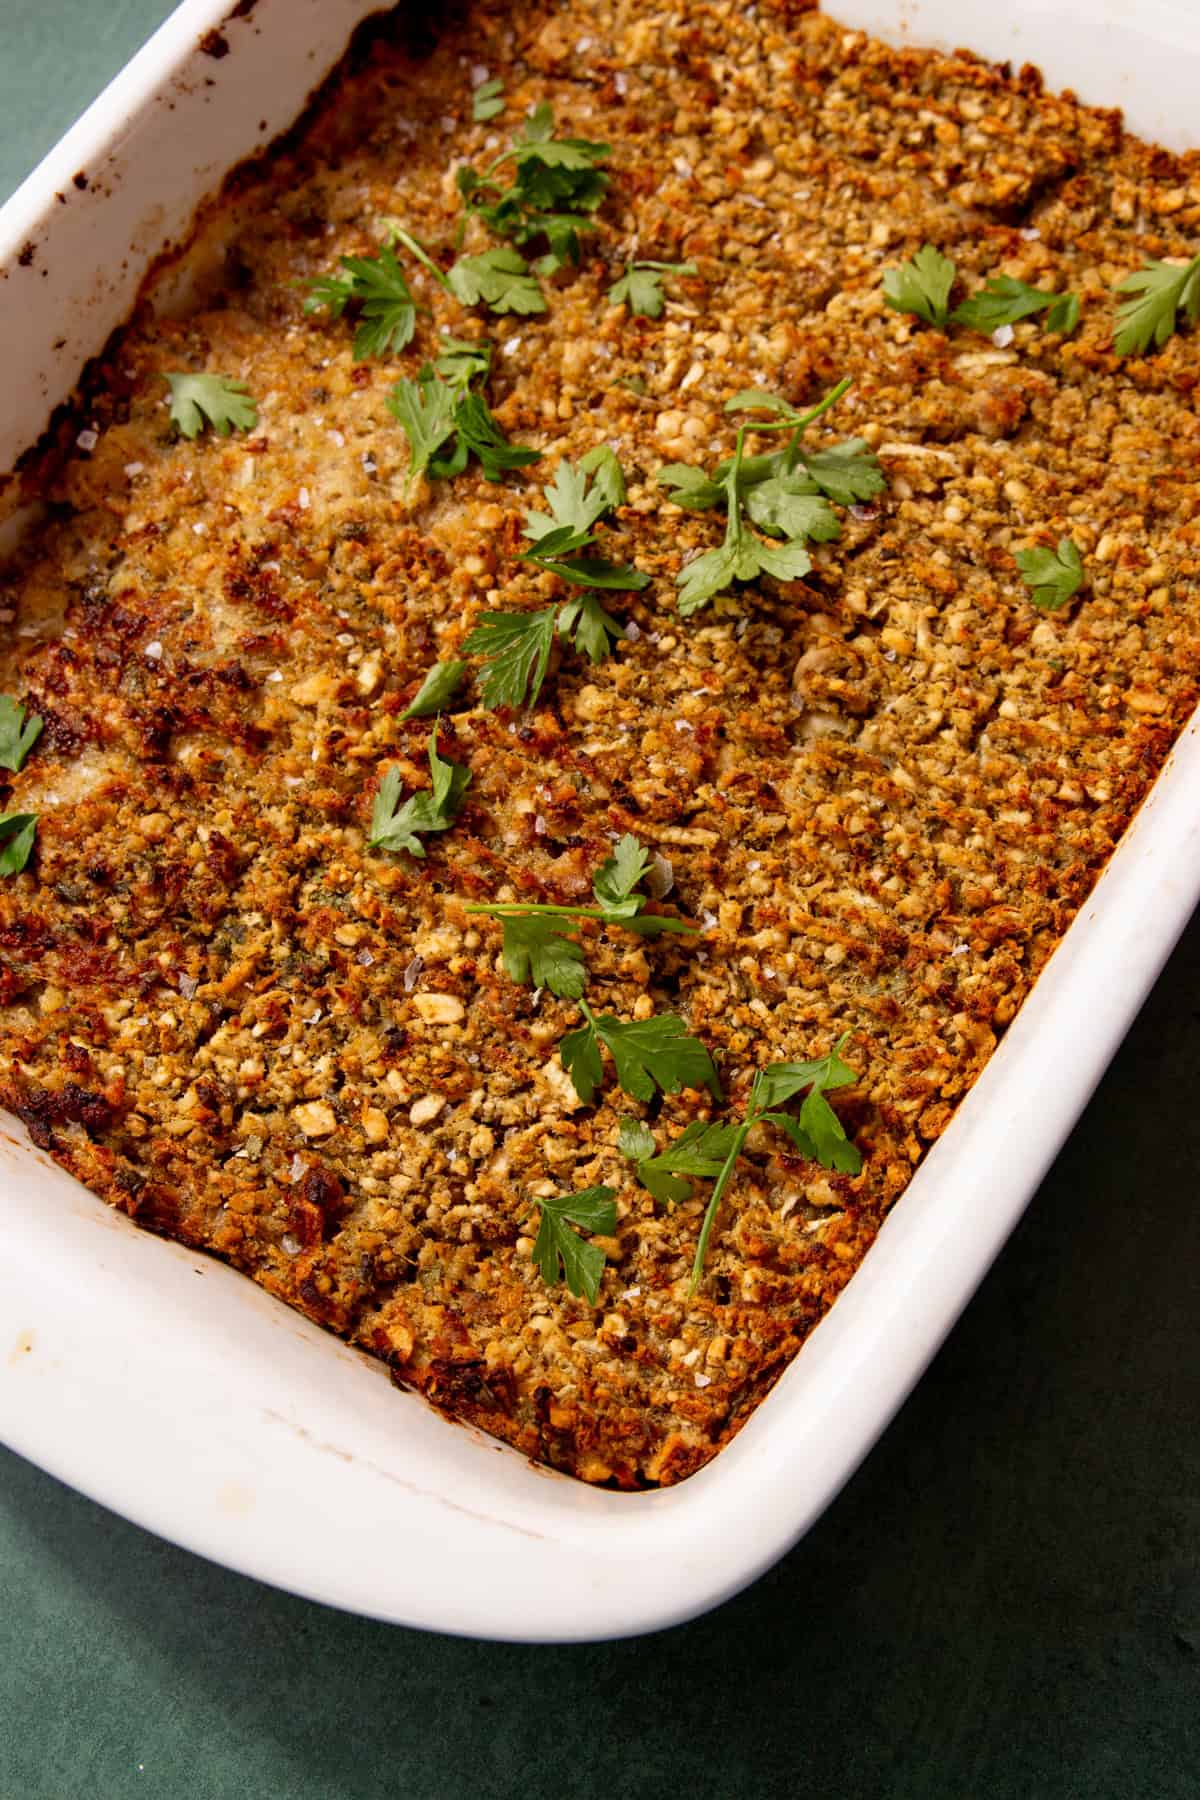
[1004, 1602]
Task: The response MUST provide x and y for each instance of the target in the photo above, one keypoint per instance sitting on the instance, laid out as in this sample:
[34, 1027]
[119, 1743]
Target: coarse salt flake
[87, 440]
[154, 651]
[302, 498]
[1003, 336]
[134, 468]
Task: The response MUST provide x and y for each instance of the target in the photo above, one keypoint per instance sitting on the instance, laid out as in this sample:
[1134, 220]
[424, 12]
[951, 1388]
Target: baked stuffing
[883, 792]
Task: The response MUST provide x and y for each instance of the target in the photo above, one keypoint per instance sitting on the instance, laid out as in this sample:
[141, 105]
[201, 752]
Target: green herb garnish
[1003, 300]
[648, 1054]
[1052, 576]
[640, 287]
[817, 1133]
[486, 102]
[18, 733]
[781, 493]
[17, 832]
[537, 948]
[225, 404]
[698, 1152]
[442, 682]
[557, 184]
[498, 279]
[515, 647]
[1157, 294]
[561, 1254]
[395, 827]
[439, 415]
[378, 285]
[921, 286]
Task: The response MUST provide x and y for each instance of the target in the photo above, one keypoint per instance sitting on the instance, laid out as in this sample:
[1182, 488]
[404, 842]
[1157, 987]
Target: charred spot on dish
[215, 44]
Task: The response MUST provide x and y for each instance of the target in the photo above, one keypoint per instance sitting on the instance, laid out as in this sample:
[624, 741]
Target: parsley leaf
[586, 624]
[700, 1151]
[557, 553]
[617, 904]
[481, 436]
[425, 409]
[17, 832]
[635, 1140]
[619, 874]
[435, 414]
[462, 361]
[785, 494]
[1157, 293]
[818, 1132]
[1003, 300]
[498, 279]
[435, 808]
[1052, 576]
[648, 1054]
[740, 558]
[18, 734]
[692, 488]
[389, 312]
[486, 102]
[779, 1082]
[561, 1253]
[847, 473]
[640, 287]
[791, 506]
[921, 286]
[560, 536]
[557, 185]
[578, 496]
[222, 401]
[538, 950]
[441, 683]
[516, 649]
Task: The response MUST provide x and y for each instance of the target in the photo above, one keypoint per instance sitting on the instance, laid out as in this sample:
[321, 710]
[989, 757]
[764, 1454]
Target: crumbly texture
[884, 791]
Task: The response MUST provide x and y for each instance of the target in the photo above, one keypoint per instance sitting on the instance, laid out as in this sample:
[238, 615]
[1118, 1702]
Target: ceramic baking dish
[180, 1395]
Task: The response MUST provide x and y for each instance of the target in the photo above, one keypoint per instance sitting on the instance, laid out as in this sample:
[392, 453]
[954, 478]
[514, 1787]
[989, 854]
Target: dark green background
[1005, 1601]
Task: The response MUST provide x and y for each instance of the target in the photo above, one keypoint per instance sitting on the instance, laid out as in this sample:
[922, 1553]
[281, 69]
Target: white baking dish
[177, 1393]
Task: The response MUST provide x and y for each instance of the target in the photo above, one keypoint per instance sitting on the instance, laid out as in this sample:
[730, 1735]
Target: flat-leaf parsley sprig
[786, 494]
[640, 288]
[1155, 295]
[398, 827]
[217, 400]
[1003, 300]
[17, 832]
[922, 285]
[711, 1151]
[447, 422]
[1052, 576]
[557, 186]
[561, 1254]
[515, 646]
[19, 732]
[649, 1055]
[379, 287]
[537, 945]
